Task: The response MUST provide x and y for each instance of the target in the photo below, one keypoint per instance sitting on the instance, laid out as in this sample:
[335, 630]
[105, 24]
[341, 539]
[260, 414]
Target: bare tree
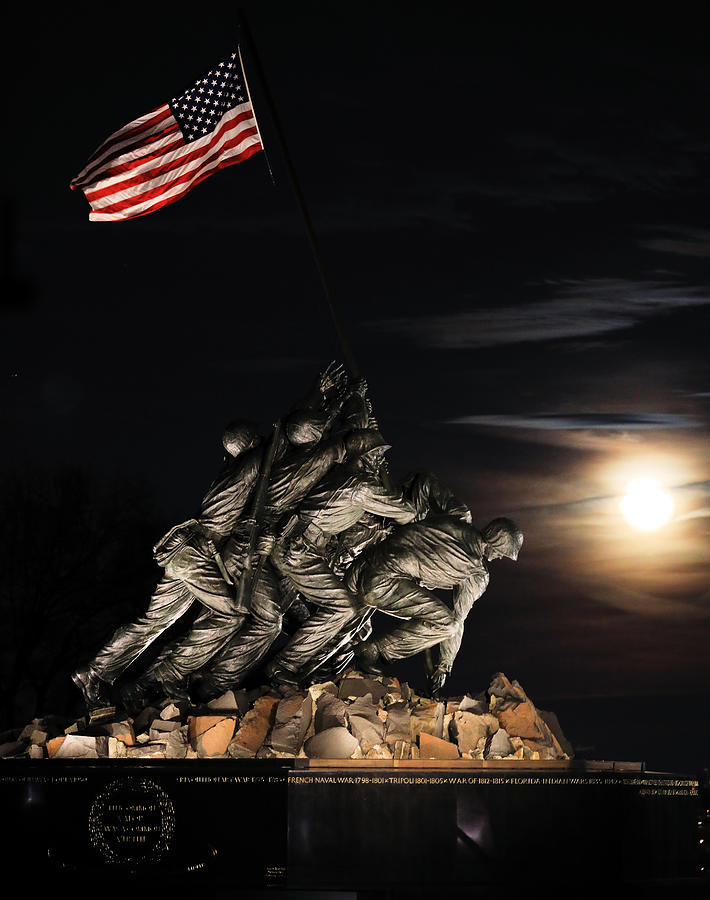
[75, 561]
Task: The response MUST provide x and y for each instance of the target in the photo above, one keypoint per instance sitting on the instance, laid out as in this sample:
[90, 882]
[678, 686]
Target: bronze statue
[247, 648]
[399, 575]
[304, 527]
[192, 552]
[289, 482]
[334, 506]
[428, 496]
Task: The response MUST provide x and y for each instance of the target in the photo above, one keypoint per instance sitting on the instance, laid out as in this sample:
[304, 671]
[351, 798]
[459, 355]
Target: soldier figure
[301, 555]
[229, 667]
[429, 498]
[223, 660]
[399, 575]
[319, 531]
[288, 484]
[191, 553]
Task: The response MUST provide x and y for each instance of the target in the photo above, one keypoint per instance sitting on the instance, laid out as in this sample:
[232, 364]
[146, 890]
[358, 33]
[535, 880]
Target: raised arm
[293, 479]
[465, 595]
[376, 499]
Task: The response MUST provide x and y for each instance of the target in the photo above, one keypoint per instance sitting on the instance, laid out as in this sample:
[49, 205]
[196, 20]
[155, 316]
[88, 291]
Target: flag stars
[212, 96]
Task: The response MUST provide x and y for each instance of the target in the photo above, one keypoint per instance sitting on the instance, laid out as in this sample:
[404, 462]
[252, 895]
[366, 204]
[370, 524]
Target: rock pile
[354, 717]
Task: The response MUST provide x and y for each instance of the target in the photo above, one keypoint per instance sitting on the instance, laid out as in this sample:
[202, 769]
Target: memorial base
[298, 825]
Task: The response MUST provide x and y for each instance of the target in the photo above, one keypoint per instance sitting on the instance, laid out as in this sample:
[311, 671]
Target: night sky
[513, 212]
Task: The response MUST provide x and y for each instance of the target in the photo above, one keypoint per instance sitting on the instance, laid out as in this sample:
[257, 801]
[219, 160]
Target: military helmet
[306, 427]
[362, 441]
[503, 537]
[240, 436]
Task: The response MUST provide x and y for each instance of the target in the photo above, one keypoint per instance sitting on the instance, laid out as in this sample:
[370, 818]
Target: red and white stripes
[148, 164]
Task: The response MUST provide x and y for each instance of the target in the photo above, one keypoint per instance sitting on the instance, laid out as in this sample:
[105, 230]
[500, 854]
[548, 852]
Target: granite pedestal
[355, 826]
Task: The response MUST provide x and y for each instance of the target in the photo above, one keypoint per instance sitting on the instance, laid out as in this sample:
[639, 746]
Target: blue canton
[200, 108]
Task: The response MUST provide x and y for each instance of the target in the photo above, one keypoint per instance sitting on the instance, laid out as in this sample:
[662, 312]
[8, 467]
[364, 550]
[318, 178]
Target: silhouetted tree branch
[75, 558]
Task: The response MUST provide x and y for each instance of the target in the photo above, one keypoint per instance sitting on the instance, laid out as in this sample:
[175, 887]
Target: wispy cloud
[599, 556]
[549, 169]
[703, 513]
[698, 489]
[582, 421]
[579, 309]
[644, 603]
[681, 241]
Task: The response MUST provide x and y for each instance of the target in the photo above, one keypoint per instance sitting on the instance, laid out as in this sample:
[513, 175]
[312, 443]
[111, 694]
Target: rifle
[331, 649]
[246, 581]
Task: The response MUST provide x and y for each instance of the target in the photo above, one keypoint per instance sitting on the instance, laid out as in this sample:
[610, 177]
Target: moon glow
[646, 506]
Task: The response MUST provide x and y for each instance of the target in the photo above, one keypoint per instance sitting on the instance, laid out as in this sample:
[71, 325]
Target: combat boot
[278, 674]
[94, 689]
[175, 690]
[367, 657]
[167, 681]
[134, 695]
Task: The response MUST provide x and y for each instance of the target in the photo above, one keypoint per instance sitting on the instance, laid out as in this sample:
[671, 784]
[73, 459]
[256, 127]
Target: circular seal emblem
[132, 822]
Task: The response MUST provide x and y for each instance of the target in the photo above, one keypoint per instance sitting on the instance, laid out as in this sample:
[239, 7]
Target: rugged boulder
[357, 716]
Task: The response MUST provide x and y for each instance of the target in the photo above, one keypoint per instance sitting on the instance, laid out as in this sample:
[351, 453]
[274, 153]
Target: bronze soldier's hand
[247, 523]
[333, 380]
[360, 387]
[265, 544]
[340, 450]
[437, 680]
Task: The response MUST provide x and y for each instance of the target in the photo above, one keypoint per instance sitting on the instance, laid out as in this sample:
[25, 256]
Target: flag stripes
[158, 158]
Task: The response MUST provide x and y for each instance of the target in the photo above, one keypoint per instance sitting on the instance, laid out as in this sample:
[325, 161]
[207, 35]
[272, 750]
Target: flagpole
[350, 362]
[348, 355]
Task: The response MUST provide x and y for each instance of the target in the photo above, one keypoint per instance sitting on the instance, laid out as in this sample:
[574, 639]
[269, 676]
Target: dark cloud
[582, 421]
[681, 241]
[543, 169]
[650, 574]
[696, 489]
[577, 309]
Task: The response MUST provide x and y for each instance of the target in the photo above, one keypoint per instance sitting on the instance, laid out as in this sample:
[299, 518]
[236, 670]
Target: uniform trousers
[245, 649]
[191, 574]
[429, 619]
[309, 572]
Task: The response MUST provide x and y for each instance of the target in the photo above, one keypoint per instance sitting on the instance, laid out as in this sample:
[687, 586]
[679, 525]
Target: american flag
[156, 159]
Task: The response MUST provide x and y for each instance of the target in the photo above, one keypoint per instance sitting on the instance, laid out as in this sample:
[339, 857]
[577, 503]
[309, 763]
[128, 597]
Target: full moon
[646, 506]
